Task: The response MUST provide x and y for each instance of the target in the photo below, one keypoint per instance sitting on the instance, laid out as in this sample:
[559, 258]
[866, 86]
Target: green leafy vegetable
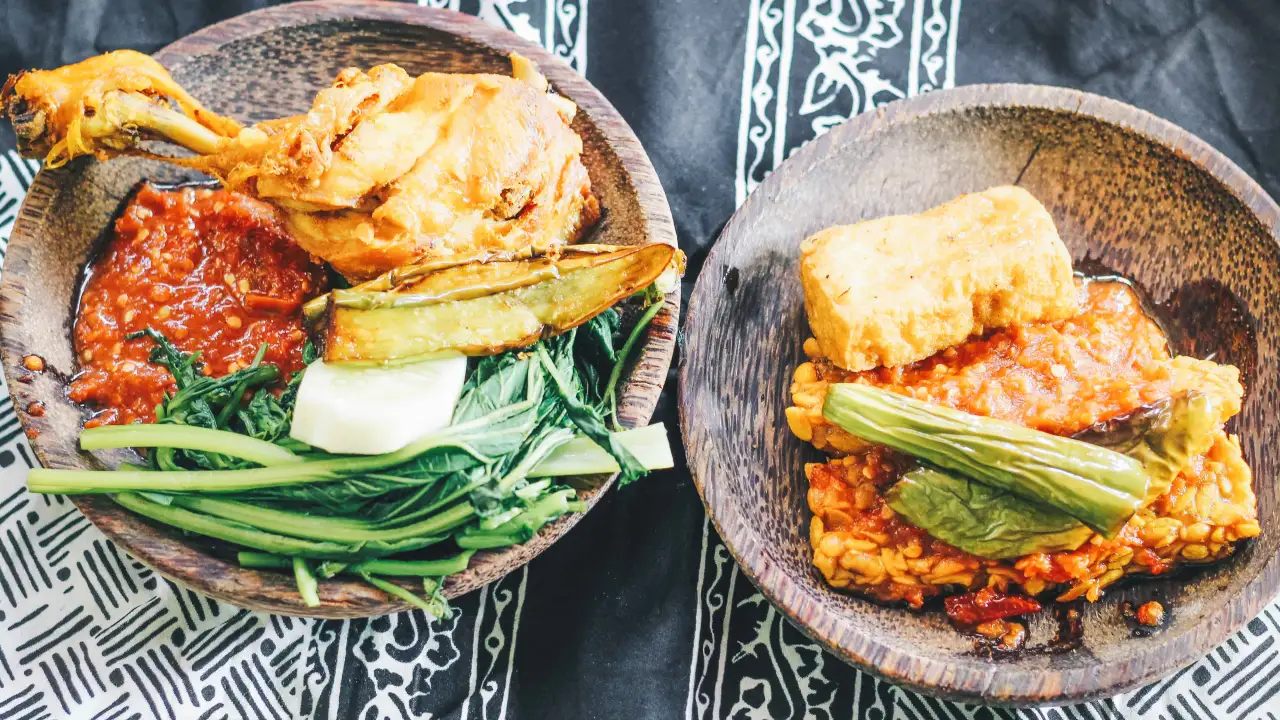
[435, 605]
[982, 520]
[307, 586]
[191, 438]
[220, 464]
[620, 360]
[214, 403]
[259, 539]
[413, 568]
[993, 523]
[582, 456]
[1099, 487]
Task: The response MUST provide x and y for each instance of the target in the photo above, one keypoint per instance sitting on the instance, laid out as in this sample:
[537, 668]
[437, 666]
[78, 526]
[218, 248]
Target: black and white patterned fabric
[640, 612]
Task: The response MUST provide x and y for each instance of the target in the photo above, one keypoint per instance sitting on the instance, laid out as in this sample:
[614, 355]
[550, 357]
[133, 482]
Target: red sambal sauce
[986, 605]
[213, 271]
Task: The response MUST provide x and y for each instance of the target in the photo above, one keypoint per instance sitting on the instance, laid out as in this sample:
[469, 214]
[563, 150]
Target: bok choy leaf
[982, 520]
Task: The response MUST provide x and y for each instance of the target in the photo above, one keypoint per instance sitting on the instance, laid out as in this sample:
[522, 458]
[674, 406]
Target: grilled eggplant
[484, 308]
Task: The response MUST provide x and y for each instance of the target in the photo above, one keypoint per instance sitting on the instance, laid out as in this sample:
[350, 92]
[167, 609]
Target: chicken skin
[384, 170]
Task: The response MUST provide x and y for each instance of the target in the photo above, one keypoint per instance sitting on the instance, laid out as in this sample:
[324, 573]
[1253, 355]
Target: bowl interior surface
[1129, 193]
[255, 67]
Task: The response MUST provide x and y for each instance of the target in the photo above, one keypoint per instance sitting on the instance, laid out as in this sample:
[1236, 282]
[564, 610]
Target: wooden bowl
[1129, 191]
[257, 66]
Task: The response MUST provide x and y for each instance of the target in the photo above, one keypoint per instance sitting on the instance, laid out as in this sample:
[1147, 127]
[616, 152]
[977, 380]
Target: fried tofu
[895, 290]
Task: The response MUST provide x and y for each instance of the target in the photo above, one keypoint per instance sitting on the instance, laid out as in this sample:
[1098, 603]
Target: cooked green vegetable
[579, 456]
[582, 456]
[415, 568]
[307, 586]
[1099, 487]
[993, 523]
[435, 605]
[979, 519]
[511, 306]
[1163, 436]
[187, 437]
[263, 539]
[225, 468]
[521, 528]
[216, 404]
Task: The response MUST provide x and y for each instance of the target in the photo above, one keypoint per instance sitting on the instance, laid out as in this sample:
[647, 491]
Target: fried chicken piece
[384, 170]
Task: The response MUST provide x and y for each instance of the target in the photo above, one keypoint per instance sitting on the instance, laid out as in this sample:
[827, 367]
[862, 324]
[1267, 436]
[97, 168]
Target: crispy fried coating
[895, 290]
[385, 169]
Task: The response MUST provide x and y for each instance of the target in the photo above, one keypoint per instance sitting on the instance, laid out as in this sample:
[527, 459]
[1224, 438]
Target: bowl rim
[1000, 685]
[268, 590]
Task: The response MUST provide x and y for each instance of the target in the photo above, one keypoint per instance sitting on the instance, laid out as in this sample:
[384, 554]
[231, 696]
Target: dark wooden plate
[1130, 191]
[257, 66]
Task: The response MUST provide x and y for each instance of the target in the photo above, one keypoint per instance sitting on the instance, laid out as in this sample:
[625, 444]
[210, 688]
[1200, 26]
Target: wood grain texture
[1129, 192]
[257, 66]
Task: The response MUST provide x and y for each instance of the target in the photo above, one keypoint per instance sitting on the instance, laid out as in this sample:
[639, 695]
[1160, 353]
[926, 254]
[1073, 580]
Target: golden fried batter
[385, 169]
[895, 290]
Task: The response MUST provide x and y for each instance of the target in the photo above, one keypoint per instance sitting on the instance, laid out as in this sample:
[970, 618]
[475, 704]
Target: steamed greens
[225, 468]
[217, 404]
[979, 519]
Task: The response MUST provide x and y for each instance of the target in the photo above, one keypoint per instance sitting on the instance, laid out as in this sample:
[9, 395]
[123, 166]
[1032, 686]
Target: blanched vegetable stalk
[1098, 487]
[578, 456]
